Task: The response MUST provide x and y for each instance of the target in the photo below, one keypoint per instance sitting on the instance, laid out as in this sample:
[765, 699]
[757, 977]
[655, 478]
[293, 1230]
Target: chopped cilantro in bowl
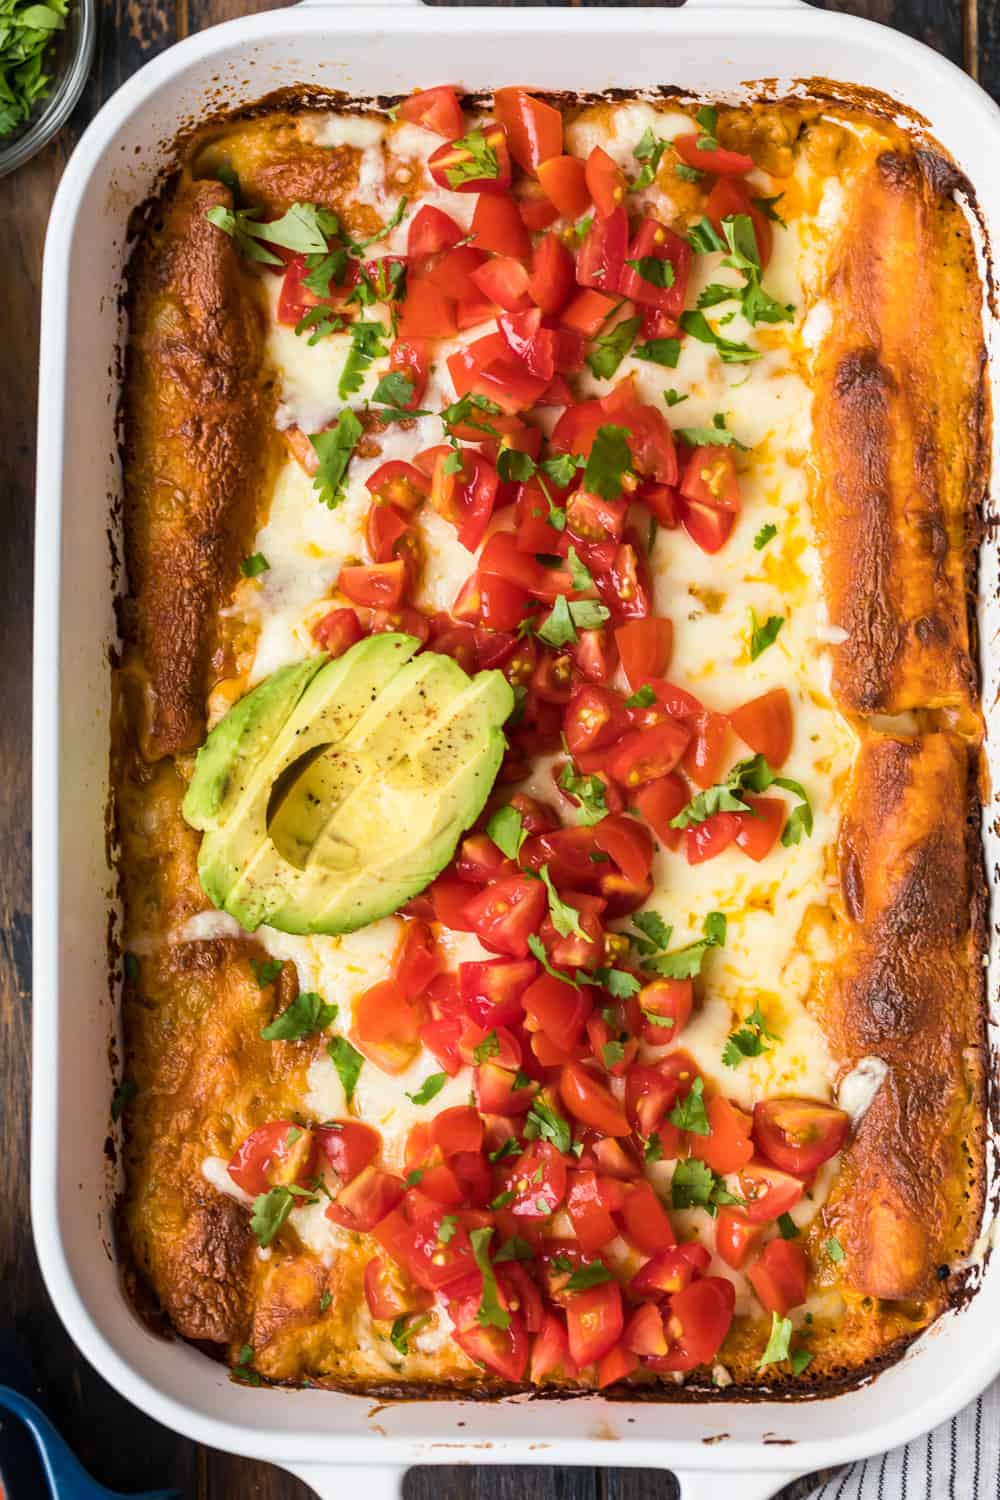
[46, 48]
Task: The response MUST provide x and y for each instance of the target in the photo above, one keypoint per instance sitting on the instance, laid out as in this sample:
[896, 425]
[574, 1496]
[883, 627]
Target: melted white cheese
[215, 1170]
[767, 405]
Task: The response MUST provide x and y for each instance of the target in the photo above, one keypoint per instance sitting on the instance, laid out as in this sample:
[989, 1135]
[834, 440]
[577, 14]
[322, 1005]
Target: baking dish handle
[339, 1481]
[723, 1484]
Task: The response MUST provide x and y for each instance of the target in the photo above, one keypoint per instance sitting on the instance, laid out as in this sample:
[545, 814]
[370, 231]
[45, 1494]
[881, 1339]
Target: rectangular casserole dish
[711, 49]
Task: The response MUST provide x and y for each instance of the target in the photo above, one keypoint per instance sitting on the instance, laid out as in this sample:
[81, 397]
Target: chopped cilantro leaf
[689, 1113]
[664, 352]
[537, 947]
[515, 1249]
[252, 567]
[673, 398]
[697, 325]
[610, 459]
[643, 697]
[750, 1040]
[834, 1249]
[506, 829]
[347, 1061]
[265, 971]
[542, 1120]
[334, 448]
[754, 775]
[589, 794]
[653, 1149]
[270, 1210]
[594, 1273]
[429, 1089]
[762, 636]
[778, 1343]
[366, 345]
[491, 1313]
[394, 389]
[659, 273]
[404, 1328]
[608, 351]
[481, 161]
[308, 1013]
[766, 534]
[565, 919]
[787, 1227]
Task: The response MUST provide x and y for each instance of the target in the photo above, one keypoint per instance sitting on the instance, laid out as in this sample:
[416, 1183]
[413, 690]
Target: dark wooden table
[121, 1447]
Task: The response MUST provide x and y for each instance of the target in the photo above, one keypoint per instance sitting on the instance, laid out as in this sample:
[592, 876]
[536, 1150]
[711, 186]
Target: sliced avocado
[238, 742]
[360, 800]
[333, 700]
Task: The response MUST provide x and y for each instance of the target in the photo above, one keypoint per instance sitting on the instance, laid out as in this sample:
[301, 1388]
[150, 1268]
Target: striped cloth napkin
[960, 1460]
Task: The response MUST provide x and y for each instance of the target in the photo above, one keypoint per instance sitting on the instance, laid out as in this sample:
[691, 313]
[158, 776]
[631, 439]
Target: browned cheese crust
[902, 435]
[909, 990]
[197, 445]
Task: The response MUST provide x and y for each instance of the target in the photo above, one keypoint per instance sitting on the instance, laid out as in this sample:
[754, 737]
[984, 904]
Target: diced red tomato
[596, 718]
[550, 1352]
[452, 271]
[537, 213]
[457, 1129]
[648, 1097]
[503, 1351]
[493, 992]
[275, 1154]
[366, 1200]
[467, 170]
[536, 1180]
[386, 1026]
[707, 526]
[427, 313]
[409, 357]
[466, 497]
[736, 1236]
[705, 756]
[645, 647]
[389, 1295]
[559, 1010]
[670, 1001]
[534, 128]
[436, 109]
[497, 226]
[617, 1365]
[628, 843]
[719, 162]
[589, 1101]
[564, 179]
[760, 828]
[727, 1147]
[781, 1276]
[380, 587]
[765, 724]
[505, 282]
[647, 754]
[705, 840]
[645, 1221]
[710, 478]
[592, 1222]
[441, 1037]
[769, 1192]
[386, 529]
[799, 1135]
[626, 586]
[594, 1322]
[595, 655]
[552, 275]
[430, 232]
[348, 1146]
[644, 1331]
[587, 311]
[654, 241]
[486, 368]
[496, 1094]
[337, 631]
[605, 182]
[504, 915]
[660, 801]
[601, 258]
[696, 1324]
[529, 341]
[398, 483]
[669, 1271]
[416, 960]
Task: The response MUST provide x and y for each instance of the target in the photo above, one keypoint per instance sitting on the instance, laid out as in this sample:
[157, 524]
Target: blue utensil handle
[67, 1478]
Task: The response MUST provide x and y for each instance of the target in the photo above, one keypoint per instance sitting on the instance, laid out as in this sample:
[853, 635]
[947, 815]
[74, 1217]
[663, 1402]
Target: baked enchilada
[547, 745]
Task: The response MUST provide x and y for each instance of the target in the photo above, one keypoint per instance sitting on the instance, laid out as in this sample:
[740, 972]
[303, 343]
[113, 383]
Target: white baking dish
[370, 50]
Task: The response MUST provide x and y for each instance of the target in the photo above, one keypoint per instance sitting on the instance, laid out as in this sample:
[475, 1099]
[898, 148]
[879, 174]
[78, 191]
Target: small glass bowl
[67, 61]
